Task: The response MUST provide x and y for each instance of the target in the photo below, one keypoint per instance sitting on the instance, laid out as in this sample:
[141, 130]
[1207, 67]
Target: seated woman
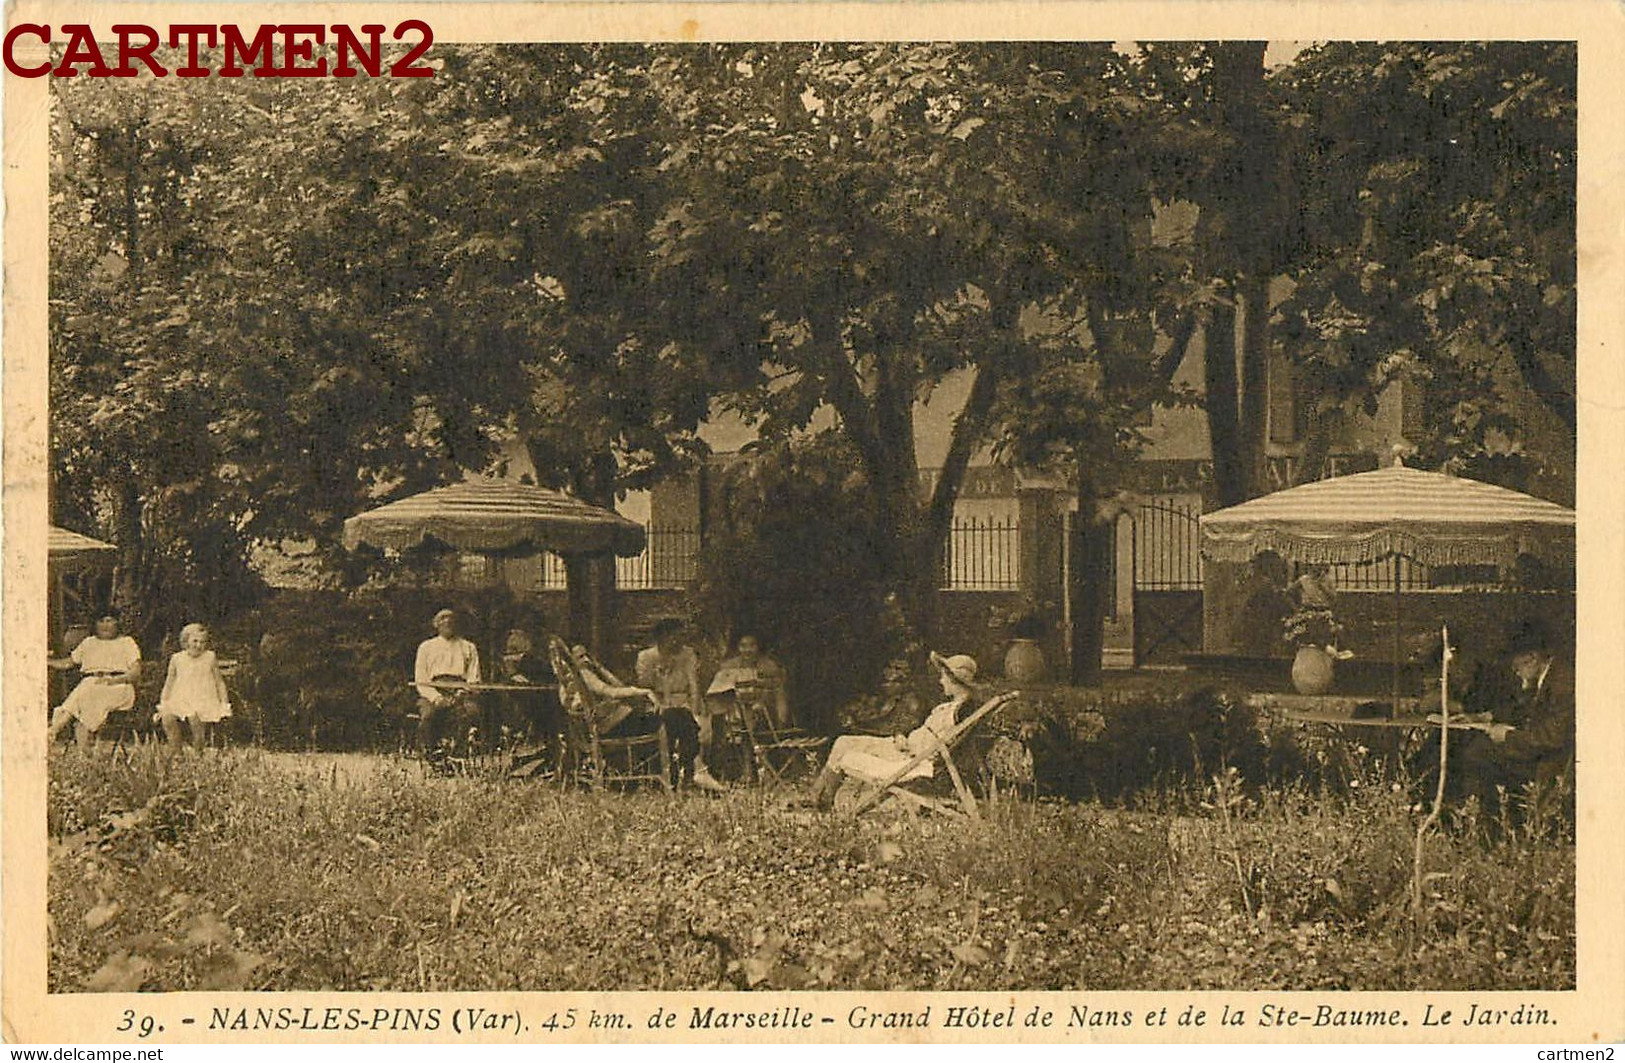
[875, 759]
[111, 664]
[533, 716]
[749, 676]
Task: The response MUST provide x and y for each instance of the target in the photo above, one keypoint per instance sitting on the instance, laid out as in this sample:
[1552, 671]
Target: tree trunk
[1090, 546]
[1322, 421]
[912, 558]
[1243, 198]
[132, 214]
[590, 578]
[127, 582]
[1223, 413]
[1252, 293]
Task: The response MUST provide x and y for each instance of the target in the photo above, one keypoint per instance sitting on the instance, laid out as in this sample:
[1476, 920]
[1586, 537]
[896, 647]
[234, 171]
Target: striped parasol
[63, 544]
[1428, 517]
[492, 516]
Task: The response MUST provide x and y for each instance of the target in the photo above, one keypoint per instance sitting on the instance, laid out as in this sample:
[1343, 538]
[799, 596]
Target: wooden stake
[1444, 762]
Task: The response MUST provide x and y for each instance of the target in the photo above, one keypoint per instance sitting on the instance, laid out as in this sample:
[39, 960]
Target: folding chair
[774, 749]
[893, 785]
[597, 758]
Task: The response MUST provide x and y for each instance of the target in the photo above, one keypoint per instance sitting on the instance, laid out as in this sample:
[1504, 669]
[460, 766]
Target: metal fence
[1376, 576]
[671, 560]
[982, 555]
[1167, 545]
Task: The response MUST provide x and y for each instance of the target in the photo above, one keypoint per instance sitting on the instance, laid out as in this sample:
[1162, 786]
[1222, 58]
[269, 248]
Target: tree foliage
[275, 302]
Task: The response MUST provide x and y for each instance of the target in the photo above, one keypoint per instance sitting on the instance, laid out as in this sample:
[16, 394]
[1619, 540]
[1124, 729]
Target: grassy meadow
[258, 870]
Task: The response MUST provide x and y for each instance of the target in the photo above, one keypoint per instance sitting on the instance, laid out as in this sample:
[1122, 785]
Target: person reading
[750, 676]
[1529, 697]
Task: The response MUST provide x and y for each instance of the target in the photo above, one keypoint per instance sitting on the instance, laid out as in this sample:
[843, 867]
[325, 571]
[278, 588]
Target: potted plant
[1024, 624]
[1314, 631]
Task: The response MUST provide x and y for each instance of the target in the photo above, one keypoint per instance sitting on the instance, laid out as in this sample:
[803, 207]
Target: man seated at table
[445, 658]
[672, 671]
[1530, 698]
[523, 664]
[749, 675]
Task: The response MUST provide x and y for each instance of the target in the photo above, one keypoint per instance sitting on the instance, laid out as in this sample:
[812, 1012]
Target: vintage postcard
[917, 522]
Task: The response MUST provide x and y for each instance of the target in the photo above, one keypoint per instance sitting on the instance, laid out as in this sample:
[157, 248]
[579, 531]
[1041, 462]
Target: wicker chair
[595, 755]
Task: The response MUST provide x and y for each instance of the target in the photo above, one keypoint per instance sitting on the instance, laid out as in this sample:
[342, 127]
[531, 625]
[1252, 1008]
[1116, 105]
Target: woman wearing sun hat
[876, 759]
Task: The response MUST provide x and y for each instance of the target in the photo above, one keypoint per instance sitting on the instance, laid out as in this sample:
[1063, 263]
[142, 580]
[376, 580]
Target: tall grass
[281, 871]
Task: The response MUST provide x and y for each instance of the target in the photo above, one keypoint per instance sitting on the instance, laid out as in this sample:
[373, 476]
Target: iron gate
[1167, 580]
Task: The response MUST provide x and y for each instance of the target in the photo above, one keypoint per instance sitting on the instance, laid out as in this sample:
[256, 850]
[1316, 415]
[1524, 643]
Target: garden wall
[963, 627]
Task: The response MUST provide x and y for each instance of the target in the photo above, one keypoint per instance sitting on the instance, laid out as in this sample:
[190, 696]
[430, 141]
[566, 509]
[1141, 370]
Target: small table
[453, 685]
[1338, 710]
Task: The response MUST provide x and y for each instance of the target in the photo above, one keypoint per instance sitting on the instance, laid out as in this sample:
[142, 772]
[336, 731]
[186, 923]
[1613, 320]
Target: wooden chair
[893, 785]
[594, 757]
[774, 749]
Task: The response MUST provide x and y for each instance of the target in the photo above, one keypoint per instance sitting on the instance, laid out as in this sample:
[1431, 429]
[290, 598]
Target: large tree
[1414, 202]
[1443, 198]
[208, 389]
[861, 221]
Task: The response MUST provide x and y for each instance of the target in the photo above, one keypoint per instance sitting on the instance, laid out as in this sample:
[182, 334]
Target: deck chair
[893, 786]
[774, 750]
[594, 756]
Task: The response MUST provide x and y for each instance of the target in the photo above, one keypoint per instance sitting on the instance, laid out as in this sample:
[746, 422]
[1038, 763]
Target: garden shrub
[331, 669]
[1120, 746]
[793, 557]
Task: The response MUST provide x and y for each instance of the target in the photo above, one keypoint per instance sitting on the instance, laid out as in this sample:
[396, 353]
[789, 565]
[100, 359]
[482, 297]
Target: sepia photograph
[939, 516]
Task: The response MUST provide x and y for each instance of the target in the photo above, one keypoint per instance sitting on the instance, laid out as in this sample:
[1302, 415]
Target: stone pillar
[1041, 553]
[1119, 649]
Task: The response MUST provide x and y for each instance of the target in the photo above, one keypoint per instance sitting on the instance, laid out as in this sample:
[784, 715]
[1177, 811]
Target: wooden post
[1444, 765]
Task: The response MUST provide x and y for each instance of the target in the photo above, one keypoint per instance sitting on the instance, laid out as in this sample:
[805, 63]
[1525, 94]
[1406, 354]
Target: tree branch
[1164, 367]
[1540, 380]
[844, 393]
[969, 428]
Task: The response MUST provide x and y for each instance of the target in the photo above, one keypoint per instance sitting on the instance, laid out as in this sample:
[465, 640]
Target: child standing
[194, 690]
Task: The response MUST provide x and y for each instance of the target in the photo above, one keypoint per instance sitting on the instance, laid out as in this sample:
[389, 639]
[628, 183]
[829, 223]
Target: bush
[331, 669]
[793, 558]
[1123, 746]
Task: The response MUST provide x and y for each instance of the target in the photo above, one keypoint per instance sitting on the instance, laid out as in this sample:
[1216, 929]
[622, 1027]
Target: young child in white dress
[194, 690]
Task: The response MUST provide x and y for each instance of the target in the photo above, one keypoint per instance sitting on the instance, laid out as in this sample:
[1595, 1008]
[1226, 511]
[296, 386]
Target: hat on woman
[961, 667]
[444, 614]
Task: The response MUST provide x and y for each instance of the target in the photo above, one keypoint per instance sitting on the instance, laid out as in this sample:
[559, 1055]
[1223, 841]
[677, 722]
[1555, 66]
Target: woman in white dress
[111, 664]
[194, 690]
[876, 759]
